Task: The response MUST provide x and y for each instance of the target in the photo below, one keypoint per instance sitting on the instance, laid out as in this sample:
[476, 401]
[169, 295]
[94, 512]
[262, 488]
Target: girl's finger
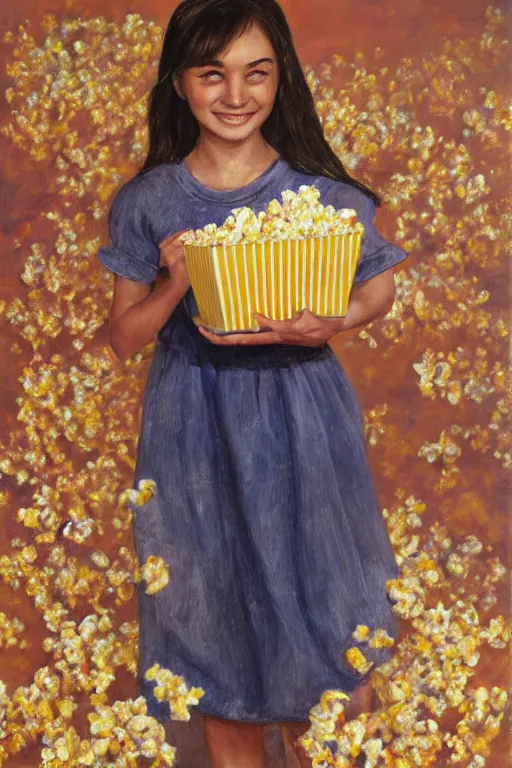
[278, 324]
[240, 339]
[275, 325]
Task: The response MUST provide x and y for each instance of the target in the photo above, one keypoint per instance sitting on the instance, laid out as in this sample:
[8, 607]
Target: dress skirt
[267, 515]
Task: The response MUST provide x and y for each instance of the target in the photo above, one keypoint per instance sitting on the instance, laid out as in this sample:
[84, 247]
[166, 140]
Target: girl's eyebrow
[220, 65]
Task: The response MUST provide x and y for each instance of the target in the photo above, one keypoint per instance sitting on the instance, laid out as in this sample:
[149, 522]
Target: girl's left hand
[305, 329]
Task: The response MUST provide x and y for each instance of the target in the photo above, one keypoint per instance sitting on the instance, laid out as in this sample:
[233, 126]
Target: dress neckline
[242, 194]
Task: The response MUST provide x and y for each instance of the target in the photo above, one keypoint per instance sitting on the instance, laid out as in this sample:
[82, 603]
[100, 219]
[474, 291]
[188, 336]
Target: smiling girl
[264, 508]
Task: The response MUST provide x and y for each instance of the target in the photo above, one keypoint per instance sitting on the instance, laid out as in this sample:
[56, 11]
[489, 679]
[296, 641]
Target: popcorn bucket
[275, 278]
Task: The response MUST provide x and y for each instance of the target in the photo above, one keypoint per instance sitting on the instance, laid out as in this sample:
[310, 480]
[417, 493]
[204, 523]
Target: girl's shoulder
[150, 199]
[343, 195]
[151, 182]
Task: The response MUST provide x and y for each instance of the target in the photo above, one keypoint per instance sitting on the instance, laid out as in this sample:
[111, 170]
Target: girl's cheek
[268, 86]
[211, 94]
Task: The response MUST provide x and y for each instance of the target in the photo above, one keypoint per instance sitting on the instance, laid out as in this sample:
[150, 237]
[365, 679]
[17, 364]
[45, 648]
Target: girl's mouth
[234, 119]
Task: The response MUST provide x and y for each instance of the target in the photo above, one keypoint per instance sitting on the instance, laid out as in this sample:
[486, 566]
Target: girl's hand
[172, 256]
[305, 329]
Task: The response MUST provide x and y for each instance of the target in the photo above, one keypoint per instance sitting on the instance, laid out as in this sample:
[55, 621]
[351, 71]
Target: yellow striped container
[275, 278]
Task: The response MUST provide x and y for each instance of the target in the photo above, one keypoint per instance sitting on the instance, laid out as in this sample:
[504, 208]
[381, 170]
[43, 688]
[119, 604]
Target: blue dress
[265, 507]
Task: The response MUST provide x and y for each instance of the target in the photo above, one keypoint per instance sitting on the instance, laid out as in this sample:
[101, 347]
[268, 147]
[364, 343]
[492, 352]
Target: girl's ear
[177, 87]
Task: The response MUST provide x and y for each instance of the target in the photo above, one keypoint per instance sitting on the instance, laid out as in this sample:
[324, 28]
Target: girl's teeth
[239, 119]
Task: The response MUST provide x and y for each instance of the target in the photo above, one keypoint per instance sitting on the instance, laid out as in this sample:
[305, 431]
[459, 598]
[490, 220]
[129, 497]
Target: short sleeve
[377, 253]
[132, 253]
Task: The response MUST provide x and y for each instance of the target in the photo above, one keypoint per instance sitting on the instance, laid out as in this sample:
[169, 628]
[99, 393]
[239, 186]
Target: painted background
[414, 96]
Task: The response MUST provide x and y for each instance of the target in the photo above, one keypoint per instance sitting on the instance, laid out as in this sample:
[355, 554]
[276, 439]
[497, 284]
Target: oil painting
[255, 443]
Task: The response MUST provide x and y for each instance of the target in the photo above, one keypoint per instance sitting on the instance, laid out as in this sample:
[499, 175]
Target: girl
[264, 505]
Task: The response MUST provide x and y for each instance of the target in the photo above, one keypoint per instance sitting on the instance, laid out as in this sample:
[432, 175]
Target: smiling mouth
[234, 119]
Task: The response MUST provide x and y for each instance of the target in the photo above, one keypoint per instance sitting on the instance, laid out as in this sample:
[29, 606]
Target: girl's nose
[235, 93]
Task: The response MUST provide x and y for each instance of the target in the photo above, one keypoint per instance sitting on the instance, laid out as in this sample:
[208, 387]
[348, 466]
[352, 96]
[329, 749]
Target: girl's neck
[227, 166]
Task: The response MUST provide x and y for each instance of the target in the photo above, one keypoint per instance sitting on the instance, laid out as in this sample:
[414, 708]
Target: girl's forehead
[252, 45]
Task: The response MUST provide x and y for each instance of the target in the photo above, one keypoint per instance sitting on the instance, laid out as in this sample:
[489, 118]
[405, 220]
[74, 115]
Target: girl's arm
[138, 312]
[368, 301]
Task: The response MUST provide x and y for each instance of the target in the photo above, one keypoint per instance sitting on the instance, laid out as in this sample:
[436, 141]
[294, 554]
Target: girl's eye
[210, 75]
[258, 74]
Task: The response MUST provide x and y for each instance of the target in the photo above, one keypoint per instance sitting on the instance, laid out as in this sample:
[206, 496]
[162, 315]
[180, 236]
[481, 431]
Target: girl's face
[232, 96]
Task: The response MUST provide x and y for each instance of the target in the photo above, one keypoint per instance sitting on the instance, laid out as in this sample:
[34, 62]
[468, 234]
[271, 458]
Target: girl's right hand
[172, 256]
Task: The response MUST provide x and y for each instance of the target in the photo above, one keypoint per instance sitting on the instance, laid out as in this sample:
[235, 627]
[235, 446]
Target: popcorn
[174, 690]
[155, 573]
[301, 215]
[377, 639]
[140, 496]
[361, 633]
[10, 632]
[357, 660]
[121, 735]
[381, 639]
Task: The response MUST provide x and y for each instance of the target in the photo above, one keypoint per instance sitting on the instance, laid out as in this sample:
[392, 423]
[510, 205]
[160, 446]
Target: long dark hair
[198, 31]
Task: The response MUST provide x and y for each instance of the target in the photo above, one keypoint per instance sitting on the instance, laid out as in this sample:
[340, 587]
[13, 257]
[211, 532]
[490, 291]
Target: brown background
[475, 504]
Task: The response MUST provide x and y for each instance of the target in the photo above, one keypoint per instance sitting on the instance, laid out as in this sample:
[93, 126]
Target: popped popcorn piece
[11, 631]
[155, 573]
[141, 495]
[174, 690]
[361, 633]
[380, 639]
[357, 660]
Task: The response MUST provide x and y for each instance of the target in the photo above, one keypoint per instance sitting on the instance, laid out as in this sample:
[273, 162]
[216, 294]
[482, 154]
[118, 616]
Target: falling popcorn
[123, 730]
[155, 573]
[174, 690]
[357, 660]
[377, 639]
[324, 717]
[381, 639]
[10, 631]
[141, 495]
[361, 633]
